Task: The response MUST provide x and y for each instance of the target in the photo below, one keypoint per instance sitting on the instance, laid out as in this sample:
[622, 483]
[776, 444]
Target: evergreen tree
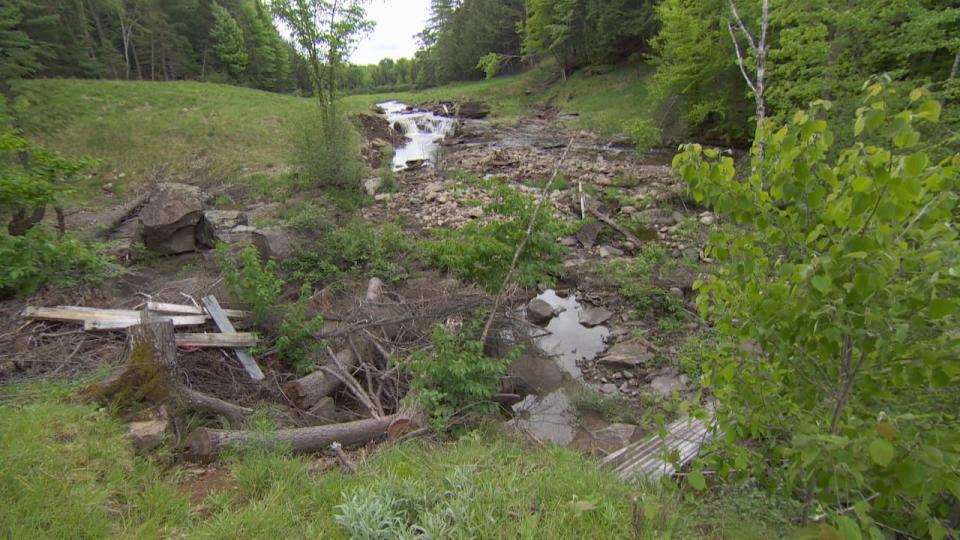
[228, 42]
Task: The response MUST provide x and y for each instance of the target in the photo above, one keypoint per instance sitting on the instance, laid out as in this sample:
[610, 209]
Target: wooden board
[183, 309]
[223, 323]
[121, 324]
[79, 314]
[647, 457]
[216, 340]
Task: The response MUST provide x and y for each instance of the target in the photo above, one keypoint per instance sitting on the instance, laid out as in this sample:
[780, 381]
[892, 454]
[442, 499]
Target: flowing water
[425, 130]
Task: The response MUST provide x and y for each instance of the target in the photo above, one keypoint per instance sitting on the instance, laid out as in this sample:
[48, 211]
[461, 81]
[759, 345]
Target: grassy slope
[140, 128]
[68, 473]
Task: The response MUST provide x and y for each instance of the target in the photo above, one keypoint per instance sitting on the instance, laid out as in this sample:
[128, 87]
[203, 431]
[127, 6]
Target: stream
[425, 131]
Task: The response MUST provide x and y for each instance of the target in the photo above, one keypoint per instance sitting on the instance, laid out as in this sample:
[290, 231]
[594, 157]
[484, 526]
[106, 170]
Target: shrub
[636, 280]
[329, 153]
[455, 377]
[255, 284]
[482, 253]
[41, 257]
[357, 249]
[843, 280]
[296, 343]
[644, 134]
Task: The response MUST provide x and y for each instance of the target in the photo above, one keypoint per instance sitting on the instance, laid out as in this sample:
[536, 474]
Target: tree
[836, 302]
[228, 42]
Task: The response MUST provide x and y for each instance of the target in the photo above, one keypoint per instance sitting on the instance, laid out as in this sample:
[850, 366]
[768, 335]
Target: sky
[397, 22]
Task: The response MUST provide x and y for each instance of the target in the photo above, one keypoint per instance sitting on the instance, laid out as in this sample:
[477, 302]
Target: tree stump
[149, 375]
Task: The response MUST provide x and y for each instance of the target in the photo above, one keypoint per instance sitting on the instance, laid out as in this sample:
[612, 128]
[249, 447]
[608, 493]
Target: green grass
[175, 130]
[68, 473]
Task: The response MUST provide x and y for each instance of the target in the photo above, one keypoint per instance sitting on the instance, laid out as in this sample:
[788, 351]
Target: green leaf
[929, 110]
[881, 451]
[821, 283]
[697, 481]
[849, 528]
[862, 184]
[914, 164]
[916, 94]
[942, 307]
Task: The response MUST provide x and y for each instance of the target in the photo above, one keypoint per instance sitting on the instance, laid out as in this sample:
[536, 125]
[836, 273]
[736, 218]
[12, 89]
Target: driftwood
[204, 444]
[615, 226]
[149, 375]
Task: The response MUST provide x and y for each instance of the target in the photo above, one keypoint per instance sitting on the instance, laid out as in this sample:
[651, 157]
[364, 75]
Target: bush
[636, 280]
[836, 310]
[255, 284]
[455, 377]
[357, 249]
[329, 153]
[296, 341]
[482, 253]
[644, 134]
[41, 257]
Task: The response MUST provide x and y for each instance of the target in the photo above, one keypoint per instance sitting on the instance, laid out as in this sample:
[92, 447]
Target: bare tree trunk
[758, 83]
[956, 66]
[204, 444]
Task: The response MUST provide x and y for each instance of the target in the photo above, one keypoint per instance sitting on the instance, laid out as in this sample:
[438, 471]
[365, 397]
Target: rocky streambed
[594, 341]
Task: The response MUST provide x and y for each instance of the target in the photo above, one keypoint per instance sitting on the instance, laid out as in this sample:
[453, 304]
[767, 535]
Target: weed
[611, 408]
[224, 200]
[357, 249]
[644, 134]
[296, 343]
[482, 253]
[41, 257]
[255, 284]
[694, 353]
[455, 377]
[636, 278]
[308, 219]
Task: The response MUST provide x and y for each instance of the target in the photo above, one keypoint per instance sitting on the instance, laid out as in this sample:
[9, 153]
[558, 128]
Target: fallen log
[149, 374]
[204, 444]
[305, 392]
[409, 418]
[615, 226]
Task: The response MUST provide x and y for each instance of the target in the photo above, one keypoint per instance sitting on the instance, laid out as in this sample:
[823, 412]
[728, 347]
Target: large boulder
[539, 312]
[273, 243]
[173, 222]
[627, 355]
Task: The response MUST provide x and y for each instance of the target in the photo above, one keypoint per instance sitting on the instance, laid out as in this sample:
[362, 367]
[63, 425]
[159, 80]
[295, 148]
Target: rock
[691, 254]
[476, 212]
[666, 385]
[173, 222]
[147, 435]
[684, 380]
[656, 217]
[273, 243]
[591, 317]
[678, 218]
[708, 219]
[433, 187]
[677, 291]
[628, 210]
[569, 241]
[372, 185]
[626, 355]
[609, 251]
[223, 220]
[383, 197]
[614, 437]
[260, 211]
[473, 110]
[609, 389]
[587, 235]
[415, 164]
[539, 312]
[628, 375]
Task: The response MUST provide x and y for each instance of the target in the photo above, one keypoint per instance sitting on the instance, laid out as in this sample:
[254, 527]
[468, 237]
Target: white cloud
[397, 22]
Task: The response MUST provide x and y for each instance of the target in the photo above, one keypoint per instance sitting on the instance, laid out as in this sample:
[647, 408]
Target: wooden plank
[184, 309]
[223, 323]
[120, 324]
[71, 314]
[217, 340]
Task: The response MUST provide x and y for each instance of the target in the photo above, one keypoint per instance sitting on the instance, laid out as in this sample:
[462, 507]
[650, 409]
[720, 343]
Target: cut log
[321, 414]
[408, 419]
[225, 326]
[204, 444]
[150, 375]
[305, 392]
[216, 340]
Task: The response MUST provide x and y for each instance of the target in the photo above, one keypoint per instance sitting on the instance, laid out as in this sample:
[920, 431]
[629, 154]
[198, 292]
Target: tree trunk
[408, 419]
[956, 66]
[150, 375]
[204, 444]
[307, 391]
[23, 219]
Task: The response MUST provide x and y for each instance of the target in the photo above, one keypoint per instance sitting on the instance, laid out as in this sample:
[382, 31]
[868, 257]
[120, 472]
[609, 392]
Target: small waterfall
[424, 129]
